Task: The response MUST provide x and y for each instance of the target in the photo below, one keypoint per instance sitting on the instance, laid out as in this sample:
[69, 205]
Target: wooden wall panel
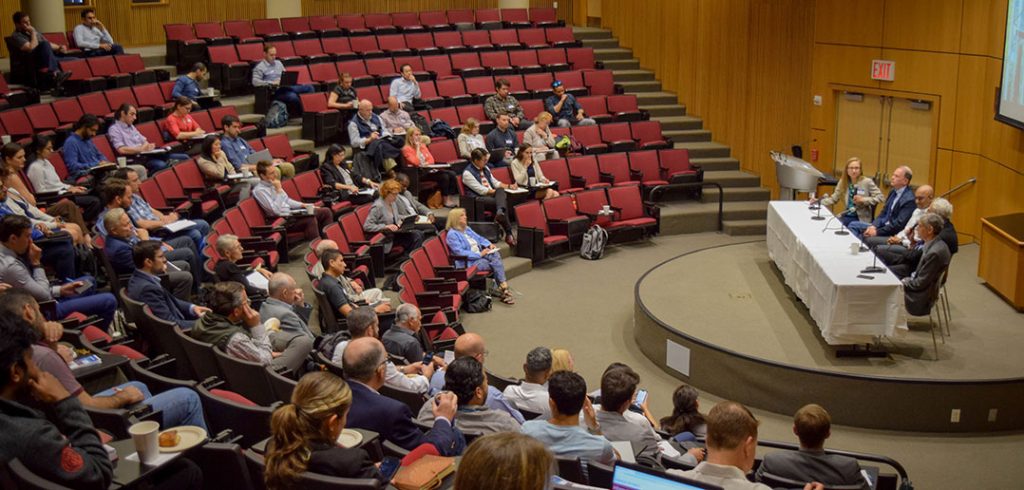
[970, 103]
[857, 22]
[329, 7]
[930, 25]
[983, 27]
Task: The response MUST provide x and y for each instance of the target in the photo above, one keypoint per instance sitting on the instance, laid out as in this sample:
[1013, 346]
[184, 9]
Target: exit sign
[883, 70]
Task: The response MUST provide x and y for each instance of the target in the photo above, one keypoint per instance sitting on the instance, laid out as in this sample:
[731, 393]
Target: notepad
[258, 280]
[518, 190]
[181, 224]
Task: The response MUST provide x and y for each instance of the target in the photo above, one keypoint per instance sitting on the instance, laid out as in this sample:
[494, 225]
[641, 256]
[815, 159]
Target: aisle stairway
[745, 200]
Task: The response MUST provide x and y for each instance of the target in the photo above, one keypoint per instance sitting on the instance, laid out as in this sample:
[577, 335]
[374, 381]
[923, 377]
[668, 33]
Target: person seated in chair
[338, 177]
[903, 258]
[153, 220]
[812, 424]
[187, 85]
[920, 288]
[477, 250]
[267, 73]
[502, 137]
[81, 155]
[275, 203]
[128, 142]
[482, 186]
[120, 250]
[179, 124]
[396, 119]
[342, 293]
[44, 178]
[387, 215]
[237, 149]
[304, 434]
[504, 104]
[416, 154]
[857, 191]
[561, 431]
[145, 287]
[92, 37]
[895, 213]
[413, 376]
[232, 325]
[44, 54]
[473, 345]
[405, 89]
[923, 197]
[227, 268]
[287, 303]
[532, 394]
[528, 175]
[465, 378]
[564, 107]
[364, 365]
[400, 340]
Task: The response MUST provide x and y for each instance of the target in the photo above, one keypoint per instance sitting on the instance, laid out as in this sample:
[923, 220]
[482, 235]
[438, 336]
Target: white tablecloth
[819, 267]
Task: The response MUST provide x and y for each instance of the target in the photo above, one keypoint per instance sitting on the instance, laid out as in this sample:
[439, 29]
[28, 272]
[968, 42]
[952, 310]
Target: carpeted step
[696, 217]
[600, 43]
[591, 33]
[671, 109]
[293, 131]
[676, 123]
[630, 64]
[716, 163]
[633, 76]
[732, 178]
[640, 86]
[644, 99]
[686, 135]
[613, 54]
[299, 144]
[244, 104]
[735, 194]
[516, 266]
[705, 149]
[745, 227]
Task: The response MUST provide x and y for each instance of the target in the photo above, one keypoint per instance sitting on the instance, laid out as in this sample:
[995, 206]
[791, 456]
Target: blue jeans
[89, 303]
[114, 49]
[858, 228]
[180, 406]
[847, 219]
[491, 262]
[196, 233]
[155, 165]
[290, 96]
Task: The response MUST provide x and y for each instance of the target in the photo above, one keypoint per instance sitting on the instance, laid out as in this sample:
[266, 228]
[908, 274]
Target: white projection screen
[1011, 93]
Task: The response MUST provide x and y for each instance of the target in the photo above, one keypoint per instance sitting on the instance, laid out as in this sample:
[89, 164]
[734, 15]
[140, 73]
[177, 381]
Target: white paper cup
[122, 162]
[211, 91]
[854, 248]
[606, 208]
[146, 437]
[5, 138]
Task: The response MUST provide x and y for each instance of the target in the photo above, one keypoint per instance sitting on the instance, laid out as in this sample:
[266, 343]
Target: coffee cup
[5, 138]
[606, 208]
[146, 436]
[122, 162]
[211, 91]
[854, 248]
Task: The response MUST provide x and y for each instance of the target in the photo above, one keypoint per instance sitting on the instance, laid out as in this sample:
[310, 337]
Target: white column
[46, 15]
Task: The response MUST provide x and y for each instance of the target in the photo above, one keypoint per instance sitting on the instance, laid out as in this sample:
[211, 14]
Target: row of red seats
[100, 72]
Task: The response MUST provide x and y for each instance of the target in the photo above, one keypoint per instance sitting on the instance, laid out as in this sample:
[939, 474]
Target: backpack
[421, 122]
[475, 301]
[277, 115]
[593, 244]
[441, 128]
[326, 344]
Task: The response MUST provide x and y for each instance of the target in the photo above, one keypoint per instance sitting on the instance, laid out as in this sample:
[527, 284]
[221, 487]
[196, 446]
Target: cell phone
[865, 276]
[428, 358]
[389, 466]
[83, 288]
[641, 397]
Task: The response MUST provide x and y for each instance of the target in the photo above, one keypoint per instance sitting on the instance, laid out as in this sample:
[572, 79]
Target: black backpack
[441, 128]
[277, 115]
[325, 344]
[475, 301]
[421, 122]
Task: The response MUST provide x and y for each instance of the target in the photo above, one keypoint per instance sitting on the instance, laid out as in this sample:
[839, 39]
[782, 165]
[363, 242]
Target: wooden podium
[1001, 263]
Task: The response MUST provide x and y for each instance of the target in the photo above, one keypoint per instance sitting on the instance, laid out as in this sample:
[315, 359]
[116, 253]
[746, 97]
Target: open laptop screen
[634, 477]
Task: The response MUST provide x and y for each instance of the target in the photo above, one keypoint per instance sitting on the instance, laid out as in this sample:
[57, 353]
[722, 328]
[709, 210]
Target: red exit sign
[883, 70]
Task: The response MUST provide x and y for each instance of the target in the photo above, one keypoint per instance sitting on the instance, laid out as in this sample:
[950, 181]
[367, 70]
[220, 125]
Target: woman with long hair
[686, 416]
[416, 154]
[477, 250]
[561, 360]
[858, 192]
[23, 203]
[179, 123]
[44, 178]
[304, 435]
[527, 174]
[505, 461]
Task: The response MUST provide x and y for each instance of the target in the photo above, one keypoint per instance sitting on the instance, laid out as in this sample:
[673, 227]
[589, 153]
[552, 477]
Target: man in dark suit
[812, 425]
[364, 366]
[899, 207]
[145, 287]
[919, 288]
[119, 248]
[902, 261]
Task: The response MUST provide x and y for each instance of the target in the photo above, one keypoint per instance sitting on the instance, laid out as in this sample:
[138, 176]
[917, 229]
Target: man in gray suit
[919, 288]
[812, 425]
[286, 303]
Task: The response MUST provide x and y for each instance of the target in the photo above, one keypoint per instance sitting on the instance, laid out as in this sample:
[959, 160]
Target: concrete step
[516, 266]
[633, 76]
[601, 43]
[641, 86]
[299, 144]
[613, 54]
[705, 149]
[679, 122]
[658, 110]
[644, 99]
[735, 194]
[695, 217]
[293, 130]
[244, 104]
[716, 163]
[732, 178]
[745, 227]
[687, 135]
[591, 33]
[151, 60]
[630, 64]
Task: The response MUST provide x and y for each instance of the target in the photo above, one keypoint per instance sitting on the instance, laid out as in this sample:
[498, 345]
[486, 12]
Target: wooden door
[860, 121]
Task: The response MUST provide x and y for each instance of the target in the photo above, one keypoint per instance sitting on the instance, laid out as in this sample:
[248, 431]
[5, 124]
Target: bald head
[280, 285]
[365, 108]
[923, 196]
[325, 245]
[363, 361]
[470, 345]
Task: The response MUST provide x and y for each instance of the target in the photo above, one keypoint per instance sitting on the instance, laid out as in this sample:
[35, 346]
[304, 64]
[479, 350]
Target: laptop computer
[629, 476]
[289, 78]
[259, 156]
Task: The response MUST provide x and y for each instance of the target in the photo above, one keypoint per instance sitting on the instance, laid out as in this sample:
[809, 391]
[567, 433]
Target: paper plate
[191, 436]
[349, 438]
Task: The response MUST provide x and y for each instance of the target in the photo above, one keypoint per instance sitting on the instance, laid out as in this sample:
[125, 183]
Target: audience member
[896, 212]
[923, 197]
[416, 153]
[128, 142]
[564, 107]
[364, 364]
[561, 360]
[68, 451]
[145, 287]
[504, 104]
[903, 258]
[120, 251]
[187, 85]
[506, 461]
[237, 149]
[465, 377]
[686, 422]
[812, 425]
[343, 97]
[21, 264]
[400, 340]
[21, 202]
[39, 54]
[304, 435]
[396, 119]
[857, 191]
[44, 178]
[337, 176]
[341, 293]
[528, 175]
[92, 37]
[411, 201]
[388, 216]
[561, 432]
[287, 303]
[481, 184]
[532, 393]
[275, 203]
[921, 288]
[618, 392]
[405, 89]
[81, 154]
[478, 251]
[469, 138]
[179, 123]
[369, 295]
[473, 345]
[415, 376]
[213, 160]
[232, 325]
[145, 216]
[540, 139]
[365, 127]
[227, 268]
[501, 142]
[267, 73]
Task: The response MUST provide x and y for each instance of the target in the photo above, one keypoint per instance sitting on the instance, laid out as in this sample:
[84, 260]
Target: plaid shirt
[140, 209]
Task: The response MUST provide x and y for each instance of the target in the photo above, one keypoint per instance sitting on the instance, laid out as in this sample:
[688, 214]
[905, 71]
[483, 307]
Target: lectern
[1001, 263]
[794, 175]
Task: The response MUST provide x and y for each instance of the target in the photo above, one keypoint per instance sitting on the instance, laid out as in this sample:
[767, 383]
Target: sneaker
[60, 77]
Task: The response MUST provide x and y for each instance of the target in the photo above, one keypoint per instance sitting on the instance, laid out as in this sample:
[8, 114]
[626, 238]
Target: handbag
[425, 473]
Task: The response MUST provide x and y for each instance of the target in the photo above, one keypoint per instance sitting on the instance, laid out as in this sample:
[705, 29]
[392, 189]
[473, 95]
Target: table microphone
[874, 268]
[817, 206]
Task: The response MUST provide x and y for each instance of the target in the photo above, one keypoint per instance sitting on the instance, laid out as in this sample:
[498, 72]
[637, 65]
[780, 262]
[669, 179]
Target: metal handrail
[658, 190]
[969, 181]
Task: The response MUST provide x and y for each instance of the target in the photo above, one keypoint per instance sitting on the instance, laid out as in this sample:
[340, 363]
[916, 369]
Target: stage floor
[730, 307]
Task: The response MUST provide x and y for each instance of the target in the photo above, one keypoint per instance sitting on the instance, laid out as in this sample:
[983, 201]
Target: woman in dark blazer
[339, 178]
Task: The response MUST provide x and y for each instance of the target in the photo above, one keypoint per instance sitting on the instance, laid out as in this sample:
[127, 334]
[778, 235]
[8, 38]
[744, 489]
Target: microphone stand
[874, 268]
[817, 206]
